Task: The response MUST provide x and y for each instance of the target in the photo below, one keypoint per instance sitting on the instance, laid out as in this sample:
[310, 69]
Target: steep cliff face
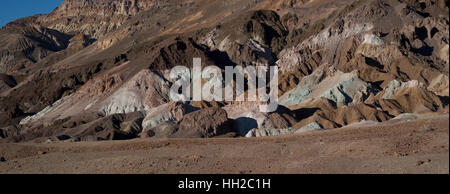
[95, 17]
[340, 61]
[23, 44]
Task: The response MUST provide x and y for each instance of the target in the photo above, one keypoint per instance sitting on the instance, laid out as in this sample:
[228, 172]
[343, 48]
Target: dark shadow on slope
[444, 100]
[424, 50]
[8, 80]
[244, 125]
[305, 113]
[373, 63]
[220, 58]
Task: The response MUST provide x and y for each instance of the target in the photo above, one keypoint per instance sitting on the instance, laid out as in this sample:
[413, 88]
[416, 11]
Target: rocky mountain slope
[98, 69]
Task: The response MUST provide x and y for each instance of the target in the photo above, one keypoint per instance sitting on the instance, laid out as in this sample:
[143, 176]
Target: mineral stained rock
[99, 69]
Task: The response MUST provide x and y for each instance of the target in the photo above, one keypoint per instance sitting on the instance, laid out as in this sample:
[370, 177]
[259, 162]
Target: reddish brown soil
[419, 146]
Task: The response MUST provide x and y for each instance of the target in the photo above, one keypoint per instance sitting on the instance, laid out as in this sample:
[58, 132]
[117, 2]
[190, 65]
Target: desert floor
[396, 146]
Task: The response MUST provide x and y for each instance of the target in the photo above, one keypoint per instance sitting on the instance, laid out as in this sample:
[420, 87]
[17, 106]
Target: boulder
[204, 123]
[114, 127]
[164, 130]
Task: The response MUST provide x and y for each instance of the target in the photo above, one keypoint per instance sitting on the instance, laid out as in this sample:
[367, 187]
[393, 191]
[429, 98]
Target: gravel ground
[397, 146]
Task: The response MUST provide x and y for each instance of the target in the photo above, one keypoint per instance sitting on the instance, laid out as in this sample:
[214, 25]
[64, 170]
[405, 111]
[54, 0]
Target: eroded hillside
[99, 69]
